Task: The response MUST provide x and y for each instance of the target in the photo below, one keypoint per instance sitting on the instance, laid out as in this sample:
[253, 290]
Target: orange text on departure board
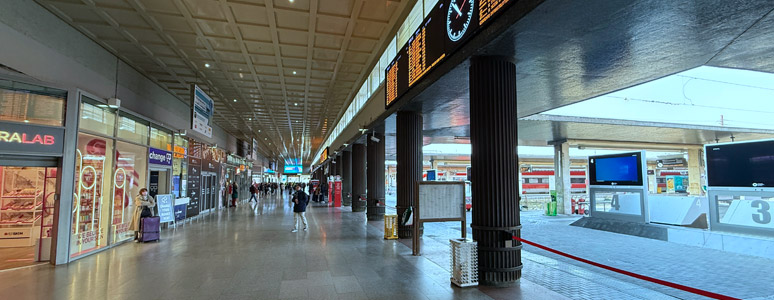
[416, 57]
[392, 83]
[417, 60]
[489, 8]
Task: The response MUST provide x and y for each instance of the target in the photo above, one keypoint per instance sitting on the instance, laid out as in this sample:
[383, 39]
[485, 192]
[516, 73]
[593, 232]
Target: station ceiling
[291, 65]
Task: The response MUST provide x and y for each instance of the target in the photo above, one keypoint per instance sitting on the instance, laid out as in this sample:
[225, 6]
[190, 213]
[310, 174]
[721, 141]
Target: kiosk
[617, 187]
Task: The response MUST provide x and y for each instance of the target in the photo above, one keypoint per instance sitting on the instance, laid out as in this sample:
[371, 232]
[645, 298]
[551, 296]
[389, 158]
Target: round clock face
[458, 18]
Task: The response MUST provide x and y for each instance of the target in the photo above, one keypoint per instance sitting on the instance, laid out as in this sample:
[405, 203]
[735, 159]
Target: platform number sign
[764, 215]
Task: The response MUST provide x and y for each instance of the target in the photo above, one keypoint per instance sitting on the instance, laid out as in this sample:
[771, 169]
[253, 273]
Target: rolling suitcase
[149, 230]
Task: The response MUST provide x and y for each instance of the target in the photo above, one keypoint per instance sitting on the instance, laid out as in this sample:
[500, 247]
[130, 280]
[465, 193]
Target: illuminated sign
[179, 152]
[324, 155]
[293, 169]
[159, 157]
[31, 139]
[447, 27]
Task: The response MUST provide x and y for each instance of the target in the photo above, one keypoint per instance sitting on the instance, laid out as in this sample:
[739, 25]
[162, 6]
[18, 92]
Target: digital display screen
[293, 169]
[619, 169]
[448, 25]
[741, 164]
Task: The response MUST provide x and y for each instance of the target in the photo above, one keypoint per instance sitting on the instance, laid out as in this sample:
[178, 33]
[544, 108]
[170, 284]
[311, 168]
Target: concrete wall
[39, 44]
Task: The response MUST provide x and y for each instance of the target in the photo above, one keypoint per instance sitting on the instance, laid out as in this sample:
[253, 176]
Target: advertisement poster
[330, 190]
[181, 205]
[166, 207]
[194, 186]
[202, 109]
[337, 187]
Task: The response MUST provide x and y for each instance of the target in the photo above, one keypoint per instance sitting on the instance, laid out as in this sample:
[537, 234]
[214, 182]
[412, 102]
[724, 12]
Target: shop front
[32, 138]
[118, 153]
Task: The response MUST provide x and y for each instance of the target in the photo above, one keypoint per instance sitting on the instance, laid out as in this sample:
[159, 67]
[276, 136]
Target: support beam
[493, 131]
[409, 157]
[694, 172]
[375, 171]
[346, 178]
[562, 178]
[358, 176]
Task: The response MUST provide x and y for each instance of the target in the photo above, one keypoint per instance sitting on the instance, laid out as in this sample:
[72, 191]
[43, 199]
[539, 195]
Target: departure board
[424, 51]
[488, 8]
[448, 26]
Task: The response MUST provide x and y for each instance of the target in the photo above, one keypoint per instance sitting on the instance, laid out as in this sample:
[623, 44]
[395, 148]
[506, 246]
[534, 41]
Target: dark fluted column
[346, 178]
[339, 166]
[375, 171]
[409, 157]
[494, 169]
[358, 176]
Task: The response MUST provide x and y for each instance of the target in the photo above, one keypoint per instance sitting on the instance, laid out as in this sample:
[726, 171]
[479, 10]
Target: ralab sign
[31, 139]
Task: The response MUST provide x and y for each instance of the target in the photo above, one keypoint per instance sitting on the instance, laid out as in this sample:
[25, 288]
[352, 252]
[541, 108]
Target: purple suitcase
[150, 229]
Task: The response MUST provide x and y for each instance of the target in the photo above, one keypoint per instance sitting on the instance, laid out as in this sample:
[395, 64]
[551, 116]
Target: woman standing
[143, 207]
[234, 194]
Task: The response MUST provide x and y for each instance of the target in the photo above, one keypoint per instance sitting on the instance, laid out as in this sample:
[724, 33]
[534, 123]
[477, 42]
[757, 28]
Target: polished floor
[248, 252]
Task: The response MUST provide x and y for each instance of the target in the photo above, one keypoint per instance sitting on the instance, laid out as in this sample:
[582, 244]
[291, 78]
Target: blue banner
[159, 157]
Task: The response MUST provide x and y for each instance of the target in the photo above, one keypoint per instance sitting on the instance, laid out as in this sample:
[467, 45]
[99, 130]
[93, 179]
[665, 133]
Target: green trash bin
[551, 208]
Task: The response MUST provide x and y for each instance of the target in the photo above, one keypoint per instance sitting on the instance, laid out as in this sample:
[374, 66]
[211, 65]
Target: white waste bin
[464, 262]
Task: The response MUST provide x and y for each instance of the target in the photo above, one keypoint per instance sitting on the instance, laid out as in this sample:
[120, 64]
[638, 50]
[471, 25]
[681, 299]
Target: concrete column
[346, 178]
[562, 176]
[409, 157]
[358, 176]
[694, 172]
[375, 180]
[494, 164]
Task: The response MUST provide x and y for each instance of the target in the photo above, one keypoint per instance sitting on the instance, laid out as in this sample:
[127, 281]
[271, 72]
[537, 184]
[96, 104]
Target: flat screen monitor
[617, 169]
[748, 164]
[293, 169]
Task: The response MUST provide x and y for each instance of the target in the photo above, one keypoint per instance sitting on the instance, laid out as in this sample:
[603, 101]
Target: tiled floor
[249, 253]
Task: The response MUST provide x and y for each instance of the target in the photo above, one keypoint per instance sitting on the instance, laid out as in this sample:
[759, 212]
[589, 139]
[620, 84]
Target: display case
[21, 205]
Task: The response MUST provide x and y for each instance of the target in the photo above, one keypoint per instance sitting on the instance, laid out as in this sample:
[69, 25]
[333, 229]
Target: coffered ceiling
[280, 71]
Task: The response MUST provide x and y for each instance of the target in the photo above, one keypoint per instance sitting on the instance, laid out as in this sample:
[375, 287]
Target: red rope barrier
[627, 273]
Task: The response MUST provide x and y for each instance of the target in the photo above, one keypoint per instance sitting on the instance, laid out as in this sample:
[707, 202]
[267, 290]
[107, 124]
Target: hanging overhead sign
[202, 108]
[447, 27]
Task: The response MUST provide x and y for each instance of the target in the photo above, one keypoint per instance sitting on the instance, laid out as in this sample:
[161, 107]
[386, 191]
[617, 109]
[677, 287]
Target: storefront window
[133, 129]
[129, 178]
[91, 213]
[179, 177]
[97, 118]
[160, 139]
[21, 102]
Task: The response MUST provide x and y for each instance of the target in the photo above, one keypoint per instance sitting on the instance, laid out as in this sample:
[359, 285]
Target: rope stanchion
[627, 273]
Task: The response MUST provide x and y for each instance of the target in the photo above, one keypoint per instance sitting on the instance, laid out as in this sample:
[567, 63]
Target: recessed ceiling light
[259, 130]
[265, 139]
[234, 100]
[296, 103]
[249, 119]
[206, 65]
[294, 72]
[291, 1]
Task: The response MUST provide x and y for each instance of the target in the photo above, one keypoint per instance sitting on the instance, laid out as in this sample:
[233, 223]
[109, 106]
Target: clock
[458, 17]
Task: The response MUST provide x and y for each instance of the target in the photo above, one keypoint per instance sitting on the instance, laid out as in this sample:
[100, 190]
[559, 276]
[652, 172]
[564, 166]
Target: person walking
[143, 208]
[234, 194]
[253, 190]
[300, 200]
[323, 192]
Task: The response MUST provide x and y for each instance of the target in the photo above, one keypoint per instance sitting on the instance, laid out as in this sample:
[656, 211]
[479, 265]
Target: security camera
[375, 139]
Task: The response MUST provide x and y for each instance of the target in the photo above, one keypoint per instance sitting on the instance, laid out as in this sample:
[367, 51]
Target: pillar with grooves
[375, 174]
[339, 166]
[409, 157]
[358, 176]
[494, 165]
[346, 178]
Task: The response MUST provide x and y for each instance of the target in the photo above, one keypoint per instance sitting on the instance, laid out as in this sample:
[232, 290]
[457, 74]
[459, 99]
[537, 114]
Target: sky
[700, 96]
